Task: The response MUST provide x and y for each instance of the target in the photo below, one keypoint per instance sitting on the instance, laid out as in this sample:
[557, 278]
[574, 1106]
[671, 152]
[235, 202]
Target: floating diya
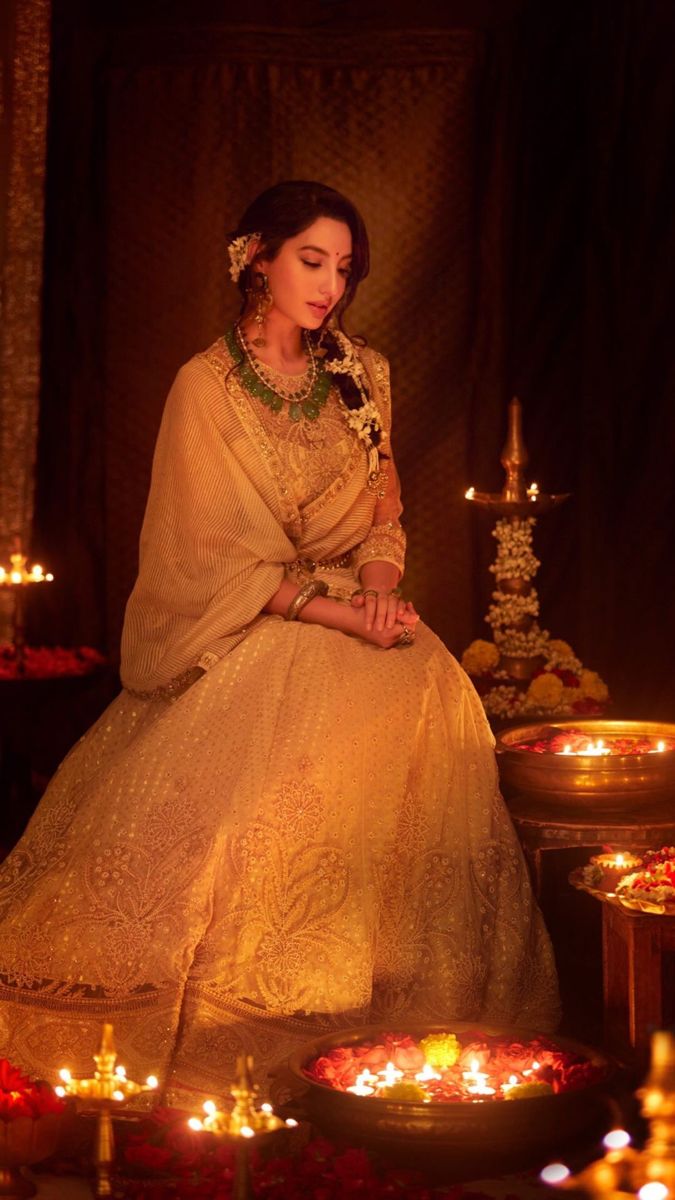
[470, 1098]
[619, 765]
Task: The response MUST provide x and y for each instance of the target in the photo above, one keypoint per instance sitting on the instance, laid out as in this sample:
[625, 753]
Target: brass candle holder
[16, 578]
[243, 1123]
[108, 1089]
[625, 1172]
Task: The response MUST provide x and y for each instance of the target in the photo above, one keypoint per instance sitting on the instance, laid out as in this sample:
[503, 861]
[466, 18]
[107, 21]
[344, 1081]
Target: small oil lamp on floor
[624, 1172]
[241, 1125]
[108, 1089]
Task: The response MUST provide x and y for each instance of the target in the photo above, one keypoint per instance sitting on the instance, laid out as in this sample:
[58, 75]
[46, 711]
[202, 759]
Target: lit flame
[427, 1073]
[195, 1124]
[533, 491]
[152, 1081]
[469, 493]
[121, 1072]
[60, 1091]
[266, 1108]
[247, 1132]
[65, 1075]
[291, 1123]
[660, 747]
[593, 750]
[117, 1095]
[616, 1139]
[209, 1107]
[554, 1173]
[653, 1191]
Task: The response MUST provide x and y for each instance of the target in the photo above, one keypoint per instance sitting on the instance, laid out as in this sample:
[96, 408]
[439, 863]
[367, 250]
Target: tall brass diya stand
[517, 507]
[625, 1172]
[107, 1089]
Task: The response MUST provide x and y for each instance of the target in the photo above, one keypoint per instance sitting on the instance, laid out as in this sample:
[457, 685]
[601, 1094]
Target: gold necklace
[305, 401]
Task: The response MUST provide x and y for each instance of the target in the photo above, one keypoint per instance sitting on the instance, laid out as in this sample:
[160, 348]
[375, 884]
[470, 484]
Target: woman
[290, 818]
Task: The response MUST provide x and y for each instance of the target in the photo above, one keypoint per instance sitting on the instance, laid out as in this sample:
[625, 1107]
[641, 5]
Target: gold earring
[263, 303]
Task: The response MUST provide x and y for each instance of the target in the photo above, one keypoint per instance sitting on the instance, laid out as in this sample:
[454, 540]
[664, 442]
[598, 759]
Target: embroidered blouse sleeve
[386, 541]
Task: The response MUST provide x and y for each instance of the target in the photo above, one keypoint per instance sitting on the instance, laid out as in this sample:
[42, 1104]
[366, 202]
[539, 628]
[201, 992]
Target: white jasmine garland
[563, 663]
[515, 557]
[504, 701]
[508, 609]
[238, 253]
[515, 644]
[363, 420]
[350, 363]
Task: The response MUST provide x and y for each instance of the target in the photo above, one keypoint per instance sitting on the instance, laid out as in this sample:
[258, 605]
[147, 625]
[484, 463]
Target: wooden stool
[564, 830]
[634, 948]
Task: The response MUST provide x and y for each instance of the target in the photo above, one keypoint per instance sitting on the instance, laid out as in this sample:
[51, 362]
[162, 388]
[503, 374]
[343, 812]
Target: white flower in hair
[238, 251]
[350, 363]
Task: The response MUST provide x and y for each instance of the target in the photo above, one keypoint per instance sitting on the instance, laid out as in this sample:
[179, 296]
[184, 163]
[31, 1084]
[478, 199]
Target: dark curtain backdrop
[514, 165]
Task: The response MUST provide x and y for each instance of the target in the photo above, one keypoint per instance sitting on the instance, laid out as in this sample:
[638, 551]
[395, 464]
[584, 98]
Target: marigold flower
[559, 649]
[523, 1091]
[441, 1049]
[545, 690]
[404, 1090]
[480, 656]
[592, 686]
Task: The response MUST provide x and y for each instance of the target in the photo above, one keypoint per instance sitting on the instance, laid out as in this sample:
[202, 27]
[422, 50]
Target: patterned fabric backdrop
[505, 260]
[24, 76]
[191, 137]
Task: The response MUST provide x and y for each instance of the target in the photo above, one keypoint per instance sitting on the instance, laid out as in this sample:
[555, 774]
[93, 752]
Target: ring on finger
[406, 638]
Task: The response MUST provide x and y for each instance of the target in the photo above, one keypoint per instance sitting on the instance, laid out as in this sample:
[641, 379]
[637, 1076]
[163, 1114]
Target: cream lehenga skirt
[311, 836]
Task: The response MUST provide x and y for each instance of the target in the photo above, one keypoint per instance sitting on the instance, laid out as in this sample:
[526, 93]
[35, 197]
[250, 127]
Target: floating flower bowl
[464, 1138]
[612, 777]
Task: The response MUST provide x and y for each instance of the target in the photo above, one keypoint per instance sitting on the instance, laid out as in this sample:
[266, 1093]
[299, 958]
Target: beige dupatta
[221, 524]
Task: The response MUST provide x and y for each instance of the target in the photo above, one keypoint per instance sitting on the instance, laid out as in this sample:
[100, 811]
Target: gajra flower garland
[560, 685]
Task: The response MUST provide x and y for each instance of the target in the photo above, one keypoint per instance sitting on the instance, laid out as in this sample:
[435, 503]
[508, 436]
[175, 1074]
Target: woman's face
[309, 274]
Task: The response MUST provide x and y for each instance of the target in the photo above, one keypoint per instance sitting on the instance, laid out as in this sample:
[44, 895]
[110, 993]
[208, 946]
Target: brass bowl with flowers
[605, 767]
[468, 1137]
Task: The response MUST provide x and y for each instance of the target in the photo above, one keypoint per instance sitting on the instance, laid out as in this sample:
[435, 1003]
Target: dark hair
[285, 210]
[282, 212]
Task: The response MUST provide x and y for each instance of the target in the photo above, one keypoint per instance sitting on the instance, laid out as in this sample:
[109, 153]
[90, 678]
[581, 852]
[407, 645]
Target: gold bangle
[315, 587]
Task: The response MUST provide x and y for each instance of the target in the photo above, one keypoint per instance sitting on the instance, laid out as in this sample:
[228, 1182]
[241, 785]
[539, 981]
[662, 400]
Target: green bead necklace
[308, 404]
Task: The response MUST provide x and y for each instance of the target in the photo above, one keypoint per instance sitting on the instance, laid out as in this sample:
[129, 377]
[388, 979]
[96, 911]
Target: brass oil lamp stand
[108, 1089]
[15, 578]
[242, 1125]
[624, 1172]
[517, 506]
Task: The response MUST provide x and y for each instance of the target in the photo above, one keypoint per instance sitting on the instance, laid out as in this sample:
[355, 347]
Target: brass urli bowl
[457, 1140]
[633, 785]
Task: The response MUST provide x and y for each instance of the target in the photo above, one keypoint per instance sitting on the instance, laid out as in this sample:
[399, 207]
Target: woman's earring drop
[263, 303]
